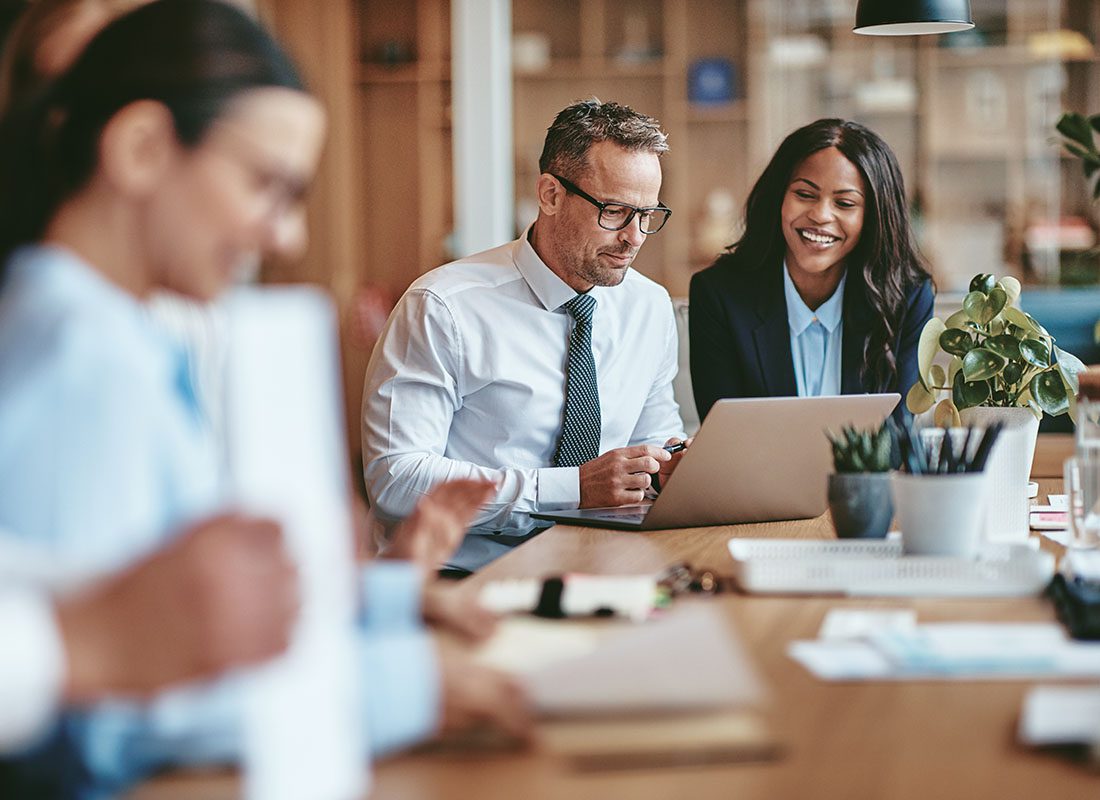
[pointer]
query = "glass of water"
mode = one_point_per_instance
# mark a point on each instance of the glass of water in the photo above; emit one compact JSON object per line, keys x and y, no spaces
{"x":1082,"y":486}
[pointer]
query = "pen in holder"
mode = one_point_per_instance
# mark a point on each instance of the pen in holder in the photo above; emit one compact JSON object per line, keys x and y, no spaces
{"x":940,"y":497}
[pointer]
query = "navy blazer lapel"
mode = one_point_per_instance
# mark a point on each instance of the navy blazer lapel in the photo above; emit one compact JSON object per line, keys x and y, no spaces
{"x":857,"y":324}
{"x":772,"y":336}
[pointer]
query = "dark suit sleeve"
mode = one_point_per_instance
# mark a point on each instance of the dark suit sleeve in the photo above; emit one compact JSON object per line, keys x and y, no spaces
{"x":714,"y":364}
{"x":918,"y":311}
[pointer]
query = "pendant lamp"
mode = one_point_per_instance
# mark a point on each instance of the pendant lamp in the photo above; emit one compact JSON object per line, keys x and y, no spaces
{"x":910,"y":17}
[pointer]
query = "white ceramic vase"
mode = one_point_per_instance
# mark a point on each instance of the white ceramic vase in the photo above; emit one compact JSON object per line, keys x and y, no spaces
{"x":1009,"y":469}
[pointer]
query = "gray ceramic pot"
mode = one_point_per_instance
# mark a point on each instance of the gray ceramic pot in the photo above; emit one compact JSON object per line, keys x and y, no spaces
{"x":861,"y":504}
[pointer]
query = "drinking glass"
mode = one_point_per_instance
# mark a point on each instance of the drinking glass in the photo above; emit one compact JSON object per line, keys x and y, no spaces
{"x":1082,"y":486}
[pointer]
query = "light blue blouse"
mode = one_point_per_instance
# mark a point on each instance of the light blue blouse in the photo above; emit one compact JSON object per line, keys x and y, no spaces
{"x":104,"y":455}
{"x":816,"y":339}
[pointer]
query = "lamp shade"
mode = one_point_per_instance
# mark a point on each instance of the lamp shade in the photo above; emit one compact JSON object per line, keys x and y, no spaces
{"x":909,"y":17}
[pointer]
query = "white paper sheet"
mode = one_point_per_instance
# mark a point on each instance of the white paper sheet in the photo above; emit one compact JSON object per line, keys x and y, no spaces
{"x":1057,"y":715}
{"x":686,"y":659}
{"x":303,"y":735}
{"x":962,"y":651}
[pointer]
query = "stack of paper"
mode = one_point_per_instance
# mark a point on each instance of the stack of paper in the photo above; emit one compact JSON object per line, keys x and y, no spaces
{"x":964,"y":651}
{"x":675,"y":689}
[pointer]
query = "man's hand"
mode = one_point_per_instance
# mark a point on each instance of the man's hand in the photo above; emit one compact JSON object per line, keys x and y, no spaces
{"x":431,"y":534}
{"x":667,"y":467}
{"x":222,"y":595}
{"x":452,"y":608}
{"x":620,"y":477}
{"x":475,"y":695}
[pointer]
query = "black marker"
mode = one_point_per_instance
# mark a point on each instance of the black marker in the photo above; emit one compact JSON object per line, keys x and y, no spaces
{"x":655,"y":479}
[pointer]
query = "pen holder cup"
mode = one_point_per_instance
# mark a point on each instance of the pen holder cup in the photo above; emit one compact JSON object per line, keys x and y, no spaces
{"x":1007,"y":470}
{"x":940,"y":515}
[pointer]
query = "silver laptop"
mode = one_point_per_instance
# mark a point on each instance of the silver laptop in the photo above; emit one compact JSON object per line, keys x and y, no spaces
{"x":754,"y":460}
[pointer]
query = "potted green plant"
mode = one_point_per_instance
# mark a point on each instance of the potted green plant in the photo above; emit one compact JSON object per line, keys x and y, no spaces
{"x":1001,"y":365}
{"x":860,"y":501}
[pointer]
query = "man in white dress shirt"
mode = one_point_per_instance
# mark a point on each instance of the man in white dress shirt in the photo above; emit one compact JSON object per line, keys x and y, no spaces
{"x":545,"y":364}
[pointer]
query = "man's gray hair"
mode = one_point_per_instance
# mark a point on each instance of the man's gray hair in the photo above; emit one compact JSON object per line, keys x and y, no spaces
{"x":576,"y":128}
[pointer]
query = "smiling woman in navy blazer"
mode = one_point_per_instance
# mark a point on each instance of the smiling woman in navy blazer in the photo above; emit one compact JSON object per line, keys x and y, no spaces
{"x":825,"y":292}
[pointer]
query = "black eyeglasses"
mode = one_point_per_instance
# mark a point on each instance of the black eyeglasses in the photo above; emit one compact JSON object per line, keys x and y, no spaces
{"x":616,"y":216}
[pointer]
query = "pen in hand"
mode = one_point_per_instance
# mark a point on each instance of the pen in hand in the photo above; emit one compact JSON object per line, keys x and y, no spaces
{"x":655,"y":477}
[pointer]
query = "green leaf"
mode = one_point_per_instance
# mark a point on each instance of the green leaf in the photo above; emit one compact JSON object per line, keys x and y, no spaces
{"x":1094,"y":121}
{"x":1035,"y":323}
{"x":1013,"y":372}
{"x":1015,"y":331}
{"x":1071,"y":396}
{"x":953,"y":369}
{"x":1036,"y":352}
{"x":956,"y":342}
{"x":1011,"y":287}
{"x":965,"y":394}
{"x":946,"y":416}
{"x":926,"y":348}
{"x":974,"y":306}
{"x":1049,"y":392}
{"x":958,"y":319}
{"x":1004,"y":345}
{"x":1076,"y":127}
{"x":1022,"y":320}
{"x":1080,"y":151}
{"x":981,"y":364}
{"x":982,"y":282}
{"x":919,"y":399}
{"x":995,"y":302}
{"x":1068,"y":362}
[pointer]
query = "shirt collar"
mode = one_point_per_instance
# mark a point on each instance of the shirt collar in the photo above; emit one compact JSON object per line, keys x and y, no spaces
{"x":551,"y":290}
{"x":799,"y":315}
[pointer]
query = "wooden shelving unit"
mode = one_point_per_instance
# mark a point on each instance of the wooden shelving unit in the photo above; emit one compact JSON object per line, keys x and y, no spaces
{"x":381,"y":211}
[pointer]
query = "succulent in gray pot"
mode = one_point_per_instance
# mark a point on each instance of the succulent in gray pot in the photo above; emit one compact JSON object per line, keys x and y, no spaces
{"x":860,"y":499}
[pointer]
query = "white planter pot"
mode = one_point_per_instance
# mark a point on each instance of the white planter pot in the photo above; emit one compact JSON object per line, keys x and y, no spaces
{"x":1009,"y":468}
{"x":940,"y":515}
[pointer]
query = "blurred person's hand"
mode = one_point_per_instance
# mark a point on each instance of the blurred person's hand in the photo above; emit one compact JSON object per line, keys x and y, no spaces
{"x":475,"y":695}
{"x":432,"y":533}
{"x":224,"y":594}
{"x":452,"y":608}
{"x":1090,"y":383}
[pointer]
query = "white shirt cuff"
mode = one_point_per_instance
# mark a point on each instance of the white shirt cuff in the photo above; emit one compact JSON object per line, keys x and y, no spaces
{"x":558,"y":488}
{"x":32,"y":668}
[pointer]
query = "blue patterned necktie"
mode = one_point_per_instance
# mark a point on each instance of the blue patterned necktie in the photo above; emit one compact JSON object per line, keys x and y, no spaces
{"x":580,"y":428}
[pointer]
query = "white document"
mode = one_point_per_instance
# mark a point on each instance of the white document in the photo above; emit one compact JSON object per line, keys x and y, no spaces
{"x":962,"y":651}
{"x":1058,"y":715}
{"x":303,"y":735}
{"x":856,"y":623}
{"x":685,"y":660}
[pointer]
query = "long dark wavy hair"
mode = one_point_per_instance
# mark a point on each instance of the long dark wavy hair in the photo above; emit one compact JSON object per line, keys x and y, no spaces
{"x":885,"y":264}
{"x":194,"y":56}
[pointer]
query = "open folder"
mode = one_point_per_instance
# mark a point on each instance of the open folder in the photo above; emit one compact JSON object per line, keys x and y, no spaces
{"x":676,"y":689}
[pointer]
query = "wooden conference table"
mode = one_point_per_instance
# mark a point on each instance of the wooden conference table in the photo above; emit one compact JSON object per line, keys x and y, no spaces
{"x":879,"y":741}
